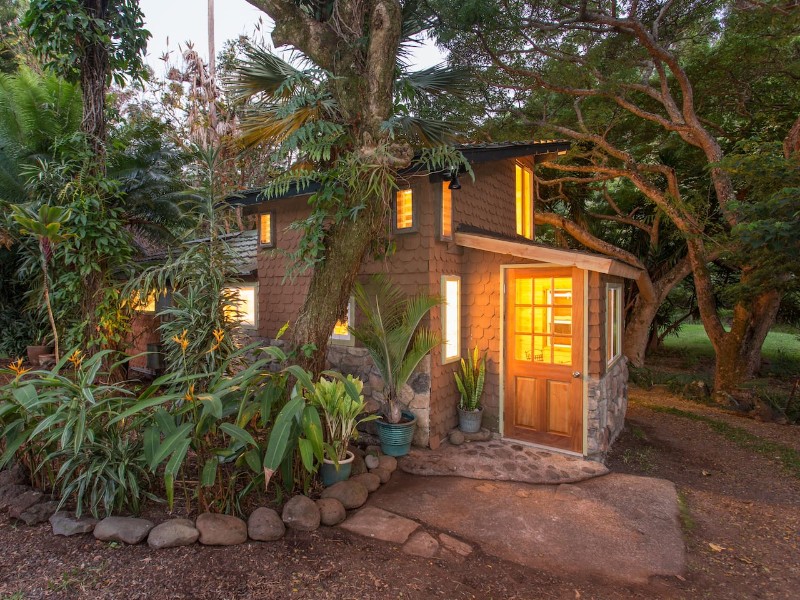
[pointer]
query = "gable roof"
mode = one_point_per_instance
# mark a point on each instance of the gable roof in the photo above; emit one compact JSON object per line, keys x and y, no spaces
{"x":243,"y":246}
{"x":474,"y":153}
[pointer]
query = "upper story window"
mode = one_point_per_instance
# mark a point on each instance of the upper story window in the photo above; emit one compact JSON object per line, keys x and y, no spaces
{"x":446,"y":213}
{"x":404,"y":210}
{"x":341,"y":331}
{"x":266,"y":229}
{"x":613,"y":322}
{"x":524,"y":201}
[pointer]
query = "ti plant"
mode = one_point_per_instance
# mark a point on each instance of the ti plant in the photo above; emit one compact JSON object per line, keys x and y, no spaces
{"x":45,"y":226}
{"x":470,"y":382}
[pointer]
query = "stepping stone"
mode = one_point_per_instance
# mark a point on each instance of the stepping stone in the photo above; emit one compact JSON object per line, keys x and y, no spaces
{"x":369,"y":480}
{"x":380,"y":524}
{"x":65,"y":524}
{"x":38,"y":513}
{"x":128,"y":530}
{"x":173,"y":533}
{"x":331,"y":511}
{"x":351,"y":494}
{"x":265,"y":525}
{"x":454,"y":545}
{"x":421,"y":544}
{"x":221,"y":530}
{"x":301,"y":513}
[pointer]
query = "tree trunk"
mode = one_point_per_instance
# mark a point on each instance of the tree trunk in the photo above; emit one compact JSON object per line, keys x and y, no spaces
{"x":48,"y":304}
{"x":637,"y":329}
{"x":94,"y":72}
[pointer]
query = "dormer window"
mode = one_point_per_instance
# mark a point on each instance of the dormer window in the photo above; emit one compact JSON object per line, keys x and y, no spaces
{"x":524,"y":201}
{"x":404,"y":210}
{"x":266,"y":230}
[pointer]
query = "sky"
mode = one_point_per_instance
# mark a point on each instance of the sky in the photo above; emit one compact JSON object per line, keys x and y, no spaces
{"x":172,"y":22}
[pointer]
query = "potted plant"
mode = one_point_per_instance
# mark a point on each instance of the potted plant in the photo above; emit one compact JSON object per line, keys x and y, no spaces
{"x":470,"y":386}
{"x":390,"y":332}
{"x":341,"y":403}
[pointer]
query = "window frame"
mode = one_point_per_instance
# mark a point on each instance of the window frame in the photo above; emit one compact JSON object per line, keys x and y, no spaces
{"x":522,"y":168}
{"x":440,"y":214}
{"x":447,"y":359}
{"x":613,"y":324}
{"x":414,"y":224}
{"x":271,"y":214}
{"x":348,"y":339}
{"x":248,"y":284}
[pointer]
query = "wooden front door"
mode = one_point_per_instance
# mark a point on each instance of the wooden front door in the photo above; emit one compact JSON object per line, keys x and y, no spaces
{"x":543,"y":400}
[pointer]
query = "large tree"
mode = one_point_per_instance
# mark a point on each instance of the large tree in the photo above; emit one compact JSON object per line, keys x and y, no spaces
{"x":694,"y":77}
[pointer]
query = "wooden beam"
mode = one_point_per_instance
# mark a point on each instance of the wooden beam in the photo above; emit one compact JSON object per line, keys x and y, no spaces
{"x":545,"y":254}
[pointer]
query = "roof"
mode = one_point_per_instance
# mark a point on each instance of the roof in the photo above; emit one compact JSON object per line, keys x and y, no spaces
{"x":474,"y":153}
{"x":242,"y":244}
{"x":480,"y":239}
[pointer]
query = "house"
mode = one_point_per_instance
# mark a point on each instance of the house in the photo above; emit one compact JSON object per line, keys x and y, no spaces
{"x":549,"y":319}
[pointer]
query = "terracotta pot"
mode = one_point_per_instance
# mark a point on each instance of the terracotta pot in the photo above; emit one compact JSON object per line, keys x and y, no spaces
{"x":34,"y":352}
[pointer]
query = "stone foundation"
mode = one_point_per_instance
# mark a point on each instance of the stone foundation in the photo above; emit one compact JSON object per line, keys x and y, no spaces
{"x":415,"y":396}
{"x":608,"y":401}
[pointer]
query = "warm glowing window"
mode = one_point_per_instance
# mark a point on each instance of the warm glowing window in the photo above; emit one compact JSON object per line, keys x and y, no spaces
{"x":613,"y":322}
{"x":246,"y":303}
{"x":341,"y":331}
{"x":146,"y":306}
{"x":451,"y":318}
{"x":524,"y":201}
{"x":404,"y":210}
{"x":266,"y":234}
{"x":446,"y":231}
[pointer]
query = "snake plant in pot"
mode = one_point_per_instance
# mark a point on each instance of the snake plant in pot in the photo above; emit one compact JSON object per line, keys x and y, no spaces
{"x":390,"y":331}
{"x":470,"y":386}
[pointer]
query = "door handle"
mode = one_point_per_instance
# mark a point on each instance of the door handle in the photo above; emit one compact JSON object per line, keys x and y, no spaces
{"x":576,"y":374}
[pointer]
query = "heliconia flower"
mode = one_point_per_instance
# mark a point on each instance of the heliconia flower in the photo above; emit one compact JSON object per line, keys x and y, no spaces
{"x":17,"y":367}
{"x":76,"y":359}
{"x":189,"y":397}
{"x":182,"y":340}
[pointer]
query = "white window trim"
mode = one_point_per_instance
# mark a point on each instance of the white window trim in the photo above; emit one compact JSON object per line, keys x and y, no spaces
{"x":346,"y":339}
{"x":611,"y":320}
{"x":457,"y":356}
{"x":254,"y":286}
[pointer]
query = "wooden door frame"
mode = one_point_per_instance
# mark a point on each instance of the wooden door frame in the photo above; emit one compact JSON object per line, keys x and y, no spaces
{"x":584,"y":371}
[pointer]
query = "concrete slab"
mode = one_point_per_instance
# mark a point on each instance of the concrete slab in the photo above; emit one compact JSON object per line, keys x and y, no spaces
{"x":380,"y":524}
{"x":501,"y":460}
{"x":619,"y":527}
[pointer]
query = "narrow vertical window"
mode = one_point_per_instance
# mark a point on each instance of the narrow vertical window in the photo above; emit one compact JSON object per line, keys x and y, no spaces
{"x":613,"y":322}
{"x":524,"y":189}
{"x":266,"y":230}
{"x":451,"y":318}
{"x":404,"y":210}
{"x":446,"y":226}
{"x":341,"y":331}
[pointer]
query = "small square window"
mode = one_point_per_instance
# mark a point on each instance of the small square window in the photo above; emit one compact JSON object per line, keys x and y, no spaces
{"x":146,"y":306}
{"x":266,"y":230}
{"x":341,"y":331}
{"x":613,"y":322}
{"x":451,"y":318}
{"x":524,"y":201}
{"x":246,"y":309}
{"x":404,"y":210}
{"x":446,"y":212}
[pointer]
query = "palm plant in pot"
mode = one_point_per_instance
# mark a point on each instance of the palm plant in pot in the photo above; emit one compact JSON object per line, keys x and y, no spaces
{"x":470,"y":386}
{"x":341,"y":403}
{"x":390,"y":332}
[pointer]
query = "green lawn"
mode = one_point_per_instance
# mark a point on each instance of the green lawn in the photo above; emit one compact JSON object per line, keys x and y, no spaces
{"x":781,"y":350}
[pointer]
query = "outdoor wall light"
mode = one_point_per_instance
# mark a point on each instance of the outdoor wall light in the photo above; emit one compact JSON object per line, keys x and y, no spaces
{"x":452,"y":177}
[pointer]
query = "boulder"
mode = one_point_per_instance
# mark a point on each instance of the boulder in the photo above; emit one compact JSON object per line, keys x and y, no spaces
{"x":66,"y":524}
{"x":382,"y":474}
{"x":9,"y":492}
{"x":369,"y":480}
{"x":387,"y":462}
{"x":265,"y":525}
{"x":128,"y":530}
{"x":221,"y":530}
{"x":331,"y":511}
{"x":372,"y":461}
{"x":173,"y":533}
{"x":456,"y":438}
{"x":38,"y":513}
{"x":20,"y":503}
{"x":301,"y":513}
{"x":358,"y":466}
{"x":351,"y":494}
{"x":15,"y":475}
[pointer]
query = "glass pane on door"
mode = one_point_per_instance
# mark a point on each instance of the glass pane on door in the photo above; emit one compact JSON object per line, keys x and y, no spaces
{"x":543,"y":320}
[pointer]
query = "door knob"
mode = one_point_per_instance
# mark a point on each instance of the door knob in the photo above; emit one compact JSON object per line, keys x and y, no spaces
{"x":576,"y":374}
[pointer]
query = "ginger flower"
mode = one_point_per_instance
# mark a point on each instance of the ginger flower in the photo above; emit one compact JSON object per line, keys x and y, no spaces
{"x":76,"y":358}
{"x":17,"y":368}
{"x":219,"y":335}
{"x":189,"y":397}
{"x":182,"y":340}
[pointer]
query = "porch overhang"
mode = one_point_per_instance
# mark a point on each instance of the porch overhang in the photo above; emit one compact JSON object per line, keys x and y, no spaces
{"x":546,"y":254}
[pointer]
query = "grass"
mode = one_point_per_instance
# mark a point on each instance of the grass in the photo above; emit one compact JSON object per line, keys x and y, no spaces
{"x":789,"y":458}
